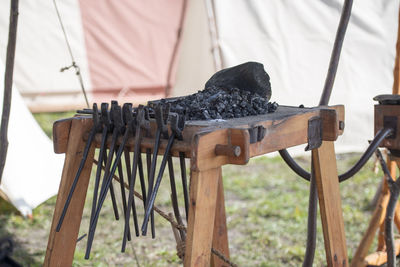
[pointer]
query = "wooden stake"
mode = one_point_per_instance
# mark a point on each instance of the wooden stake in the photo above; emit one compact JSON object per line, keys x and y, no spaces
{"x":8,"y":80}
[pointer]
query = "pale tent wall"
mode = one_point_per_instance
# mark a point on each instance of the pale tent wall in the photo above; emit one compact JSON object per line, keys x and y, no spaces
{"x":41,"y":52}
{"x":32,"y":172}
{"x":195,"y":64}
{"x":123,"y":49}
{"x":294,"y":39}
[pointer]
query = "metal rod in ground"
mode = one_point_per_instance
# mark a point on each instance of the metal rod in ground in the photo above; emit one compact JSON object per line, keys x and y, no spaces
{"x":150,"y":204}
{"x":76,"y":179}
{"x":107,"y":180}
{"x":312,"y":221}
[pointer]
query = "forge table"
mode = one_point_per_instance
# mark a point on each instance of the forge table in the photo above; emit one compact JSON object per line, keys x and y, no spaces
{"x":210,"y":145}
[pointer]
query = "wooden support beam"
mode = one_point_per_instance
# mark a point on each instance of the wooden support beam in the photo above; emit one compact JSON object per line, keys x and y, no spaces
{"x":61,"y":245}
{"x":220,"y":236}
{"x":327,"y":181}
{"x":203,"y":198}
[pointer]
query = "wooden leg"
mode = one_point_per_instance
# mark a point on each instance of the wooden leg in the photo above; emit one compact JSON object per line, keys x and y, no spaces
{"x":61,"y":245}
{"x":376,"y":220}
{"x":220,"y":236}
{"x":203,"y":198}
{"x":327,"y":181}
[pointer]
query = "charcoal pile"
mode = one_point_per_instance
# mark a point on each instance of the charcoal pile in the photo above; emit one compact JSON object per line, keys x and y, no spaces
{"x":235,"y":92}
{"x":222,"y":103}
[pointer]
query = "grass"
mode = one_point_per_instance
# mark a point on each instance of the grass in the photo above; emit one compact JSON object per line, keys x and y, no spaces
{"x":266,"y":206}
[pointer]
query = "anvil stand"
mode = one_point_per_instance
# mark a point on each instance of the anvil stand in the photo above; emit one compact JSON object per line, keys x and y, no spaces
{"x":255,"y":135}
{"x":385,"y":116}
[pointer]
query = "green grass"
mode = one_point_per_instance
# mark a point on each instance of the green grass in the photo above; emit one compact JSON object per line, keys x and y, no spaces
{"x":266,"y":206}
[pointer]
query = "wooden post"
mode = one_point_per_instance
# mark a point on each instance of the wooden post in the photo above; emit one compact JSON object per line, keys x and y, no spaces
{"x":61,"y":245}
{"x":327,"y":181}
{"x":203,"y":199}
{"x":220,"y":236}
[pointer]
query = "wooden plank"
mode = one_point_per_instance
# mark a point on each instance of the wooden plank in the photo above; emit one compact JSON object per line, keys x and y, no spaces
{"x":61,"y":129}
{"x":61,"y":245}
{"x":332,"y":123}
{"x":380,"y":257}
{"x":330,"y":204}
{"x":203,"y":198}
{"x":220,"y":237}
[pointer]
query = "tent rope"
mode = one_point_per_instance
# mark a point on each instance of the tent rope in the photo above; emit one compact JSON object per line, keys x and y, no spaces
{"x":181,"y":245}
{"x":73,"y":64}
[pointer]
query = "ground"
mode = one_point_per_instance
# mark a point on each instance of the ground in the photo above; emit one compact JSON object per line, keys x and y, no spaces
{"x":266,"y":206}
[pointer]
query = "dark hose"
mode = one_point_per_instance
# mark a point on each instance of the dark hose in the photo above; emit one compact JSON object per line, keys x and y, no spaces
{"x":382,"y":134}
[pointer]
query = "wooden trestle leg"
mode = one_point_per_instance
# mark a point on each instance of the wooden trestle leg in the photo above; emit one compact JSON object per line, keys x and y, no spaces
{"x":327,"y":181}
{"x":220,"y":235}
{"x":204,"y":190}
{"x":61,"y":245}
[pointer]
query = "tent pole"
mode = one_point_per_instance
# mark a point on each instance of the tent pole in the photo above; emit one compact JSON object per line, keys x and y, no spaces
{"x":396,"y":71}
{"x":212,"y":26}
{"x":8,"y":80}
{"x":172,"y":61}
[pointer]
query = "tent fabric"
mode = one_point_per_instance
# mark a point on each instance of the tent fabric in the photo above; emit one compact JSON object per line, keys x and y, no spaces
{"x":32,"y":171}
{"x":41,"y":52}
{"x":294,"y":39}
{"x":123,"y":49}
{"x":129,"y":44}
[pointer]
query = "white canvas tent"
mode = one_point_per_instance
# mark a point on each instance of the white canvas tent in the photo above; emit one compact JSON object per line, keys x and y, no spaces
{"x":293,"y":39}
{"x":32,"y":171}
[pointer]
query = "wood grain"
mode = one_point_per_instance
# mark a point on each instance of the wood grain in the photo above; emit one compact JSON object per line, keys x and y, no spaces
{"x":61,"y":245}
{"x":61,"y":130}
{"x":220,"y":235}
{"x":326,"y":178}
{"x":203,"y":198}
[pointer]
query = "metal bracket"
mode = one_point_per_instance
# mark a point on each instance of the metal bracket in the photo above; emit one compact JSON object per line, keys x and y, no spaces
{"x":257,"y":133}
{"x":390,"y":122}
{"x":314,"y":133}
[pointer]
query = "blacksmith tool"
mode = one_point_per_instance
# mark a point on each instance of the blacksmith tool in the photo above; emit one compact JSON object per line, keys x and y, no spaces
{"x":118,"y":128}
{"x":106,"y":124}
{"x":176,"y":129}
{"x":96,"y":128}
{"x":161,"y":127}
{"x":141,"y":123}
{"x":182,"y":163}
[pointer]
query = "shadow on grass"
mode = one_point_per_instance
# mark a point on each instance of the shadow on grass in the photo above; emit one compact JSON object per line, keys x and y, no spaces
{"x":20,"y":253}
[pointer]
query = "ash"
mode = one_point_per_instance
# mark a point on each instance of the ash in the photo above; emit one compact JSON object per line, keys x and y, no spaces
{"x":222,"y":103}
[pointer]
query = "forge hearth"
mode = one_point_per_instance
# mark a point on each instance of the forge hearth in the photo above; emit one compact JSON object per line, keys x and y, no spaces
{"x":235,"y":92}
